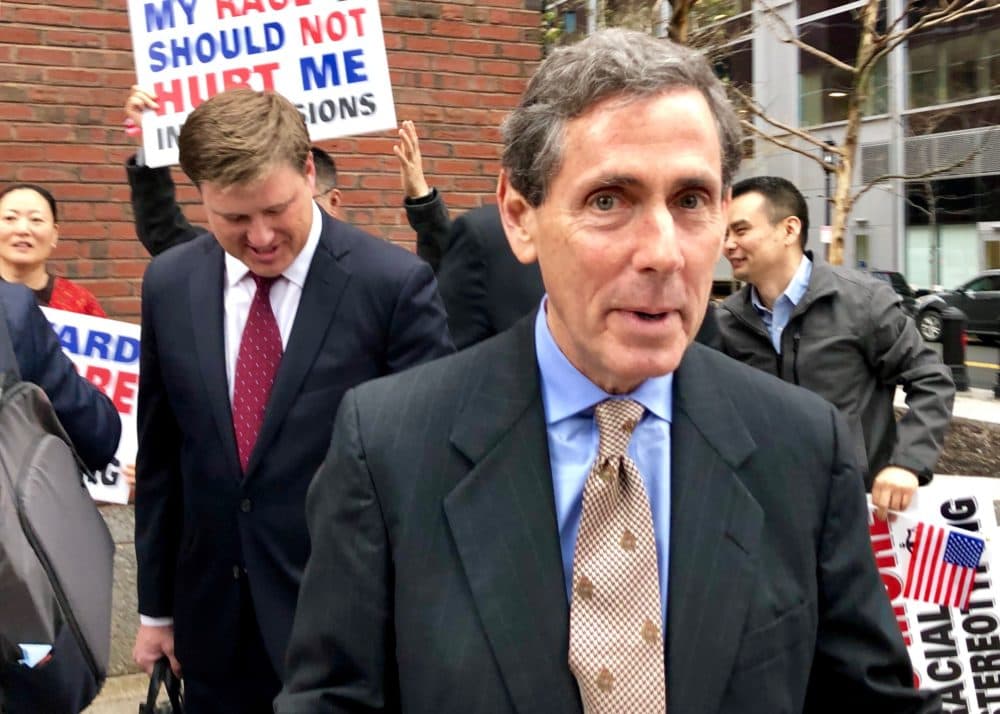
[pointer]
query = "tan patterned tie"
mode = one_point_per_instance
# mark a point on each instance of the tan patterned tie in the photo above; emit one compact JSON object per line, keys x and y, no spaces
{"x":616,"y":640}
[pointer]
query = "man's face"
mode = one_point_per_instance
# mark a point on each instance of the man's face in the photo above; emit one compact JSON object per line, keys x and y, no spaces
{"x":628,"y":235}
{"x":263,"y":223}
{"x":754,"y":246}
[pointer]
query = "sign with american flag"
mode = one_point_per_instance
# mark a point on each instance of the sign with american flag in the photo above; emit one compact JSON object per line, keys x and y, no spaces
{"x":942,"y":565}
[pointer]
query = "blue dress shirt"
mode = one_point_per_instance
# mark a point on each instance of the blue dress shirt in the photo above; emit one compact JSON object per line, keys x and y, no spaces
{"x":776,"y":319}
{"x":569,"y":399}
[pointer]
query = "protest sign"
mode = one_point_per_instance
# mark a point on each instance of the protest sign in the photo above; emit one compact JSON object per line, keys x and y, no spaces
{"x":106,"y":352}
{"x":953,"y":651}
{"x":328,"y":58}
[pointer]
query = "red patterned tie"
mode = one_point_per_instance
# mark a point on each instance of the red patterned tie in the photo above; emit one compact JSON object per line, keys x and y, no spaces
{"x":256,"y":366}
{"x":616,"y":633}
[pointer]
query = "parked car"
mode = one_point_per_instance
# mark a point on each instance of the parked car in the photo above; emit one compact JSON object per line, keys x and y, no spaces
{"x":902,"y":288}
{"x":978,"y":298}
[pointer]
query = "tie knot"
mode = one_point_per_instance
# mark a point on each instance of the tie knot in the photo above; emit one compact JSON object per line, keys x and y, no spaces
{"x":616,"y":420}
{"x":263,"y":284}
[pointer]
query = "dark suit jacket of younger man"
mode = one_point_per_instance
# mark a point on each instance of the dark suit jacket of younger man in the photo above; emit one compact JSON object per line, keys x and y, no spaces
{"x":88,"y":416}
{"x":368,"y":308}
{"x":436,"y":583}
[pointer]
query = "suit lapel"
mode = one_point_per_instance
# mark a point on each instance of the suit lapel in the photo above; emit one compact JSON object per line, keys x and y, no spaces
{"x":206,"y":281}
{"x":502,"y":516}
{"x":321,"y":293}
{"x":714,"y":534}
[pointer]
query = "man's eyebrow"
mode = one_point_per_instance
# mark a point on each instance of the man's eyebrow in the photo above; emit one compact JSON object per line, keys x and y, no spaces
{"x":618,"y":180}
{"x":739,"y":223}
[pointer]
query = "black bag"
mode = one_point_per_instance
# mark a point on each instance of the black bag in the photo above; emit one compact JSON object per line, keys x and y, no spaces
{"x":56,"y":555}
{"x":163,"y":676}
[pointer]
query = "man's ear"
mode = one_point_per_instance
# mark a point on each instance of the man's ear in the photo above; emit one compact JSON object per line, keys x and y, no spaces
{"x":309,"y":171}
{"x":519,"y":222}
{"x":335,"y":198}
{"x":793,"y":227}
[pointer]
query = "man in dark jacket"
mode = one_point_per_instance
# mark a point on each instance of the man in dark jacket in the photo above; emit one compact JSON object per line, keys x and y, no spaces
{"x":485,"y":289}
{"x":837,"y":332}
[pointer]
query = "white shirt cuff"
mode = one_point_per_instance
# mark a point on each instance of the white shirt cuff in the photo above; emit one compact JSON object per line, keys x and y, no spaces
{"x":155,"y":621}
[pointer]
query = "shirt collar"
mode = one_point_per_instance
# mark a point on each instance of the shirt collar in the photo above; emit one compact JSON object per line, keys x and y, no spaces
{"x":567,"y":392}
{"x":295,"y":273}
{"x":795,"y":291}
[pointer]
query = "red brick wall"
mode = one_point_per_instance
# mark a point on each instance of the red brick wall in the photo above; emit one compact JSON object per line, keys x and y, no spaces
{"x":65,"y":70}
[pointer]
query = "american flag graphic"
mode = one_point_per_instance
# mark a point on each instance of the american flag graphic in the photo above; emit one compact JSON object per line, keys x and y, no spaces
{"x":942,"y":565}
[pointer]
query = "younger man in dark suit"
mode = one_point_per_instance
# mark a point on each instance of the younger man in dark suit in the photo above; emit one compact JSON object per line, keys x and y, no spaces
{"x":589,"y":512}
{"x":251,"y":335}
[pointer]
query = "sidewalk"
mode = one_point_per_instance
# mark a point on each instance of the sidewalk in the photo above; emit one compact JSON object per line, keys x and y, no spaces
{"x":121,"y":695}
{"x":975,"y":404}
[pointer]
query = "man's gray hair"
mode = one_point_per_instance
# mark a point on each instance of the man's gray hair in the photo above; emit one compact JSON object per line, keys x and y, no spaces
{"x":609,"y":63}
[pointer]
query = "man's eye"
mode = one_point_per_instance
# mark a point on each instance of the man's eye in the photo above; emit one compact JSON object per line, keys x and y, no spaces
{"x":690,"y":200}
{"x":604,"y":202}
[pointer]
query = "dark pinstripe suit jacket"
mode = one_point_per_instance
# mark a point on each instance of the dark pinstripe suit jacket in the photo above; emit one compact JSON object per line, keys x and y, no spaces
{"x":435,"y":583}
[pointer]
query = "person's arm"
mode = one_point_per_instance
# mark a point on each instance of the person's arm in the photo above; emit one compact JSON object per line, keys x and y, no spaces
{"x":418,"y":327}
{"x":159,"y":222}
{"x":158,"y":498}
{"x":341,"y":653}
{"x":860,"y":656}
{"x":428,"y":217}
{"x":462,"y":280}
{"x":86,"y":413}
{"x":425,"y":209}
{"x":900,"y":356}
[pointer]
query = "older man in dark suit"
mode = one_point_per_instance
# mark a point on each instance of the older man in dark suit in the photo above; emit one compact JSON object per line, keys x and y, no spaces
{"x":250,"y":337}
{"x":589,"y":512}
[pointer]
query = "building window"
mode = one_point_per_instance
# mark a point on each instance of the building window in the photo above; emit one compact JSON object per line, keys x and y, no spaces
{"x":823,"y":88}
{"x":861,"y":250}
{"x":954,"y":62}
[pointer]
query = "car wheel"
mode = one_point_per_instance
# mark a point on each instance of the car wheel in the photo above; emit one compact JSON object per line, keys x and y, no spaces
{"x":929,"y":325}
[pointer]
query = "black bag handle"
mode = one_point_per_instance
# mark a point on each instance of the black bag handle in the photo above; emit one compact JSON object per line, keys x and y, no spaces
{"x":163,"y":676}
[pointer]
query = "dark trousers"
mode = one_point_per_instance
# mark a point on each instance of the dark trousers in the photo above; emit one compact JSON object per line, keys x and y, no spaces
{"x":252,"y":684}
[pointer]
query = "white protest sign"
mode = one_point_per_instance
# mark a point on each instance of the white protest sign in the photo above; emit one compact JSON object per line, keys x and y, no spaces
{"x":106,"y":352}
{"x":327,"y":57}
{"x":955,"y":652}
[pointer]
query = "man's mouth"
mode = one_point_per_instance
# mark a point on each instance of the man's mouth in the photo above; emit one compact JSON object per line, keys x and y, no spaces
{"x":649,"y":316}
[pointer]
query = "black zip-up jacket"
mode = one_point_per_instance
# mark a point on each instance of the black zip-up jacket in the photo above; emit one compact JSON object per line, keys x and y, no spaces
{"x":849,"y":341}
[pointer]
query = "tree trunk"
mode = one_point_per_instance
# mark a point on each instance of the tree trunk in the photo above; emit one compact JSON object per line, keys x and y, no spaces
{"x":680,"y":20}
{"x":843,"y":201}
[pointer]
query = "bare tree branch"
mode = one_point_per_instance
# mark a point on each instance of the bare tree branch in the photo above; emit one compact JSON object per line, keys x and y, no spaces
{"x":759,"y":111}
{"x":936,"y":171}
{"x":955,"y":10}
{"x":782,"y":143}
{"x":791,"y":38}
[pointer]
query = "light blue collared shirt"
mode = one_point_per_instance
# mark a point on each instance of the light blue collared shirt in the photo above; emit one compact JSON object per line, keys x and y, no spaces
{"x":776,"y":319}
{"x":569,"y":399}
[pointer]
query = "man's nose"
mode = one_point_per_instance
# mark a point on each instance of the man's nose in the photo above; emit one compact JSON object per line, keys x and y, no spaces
{"x":659,"y":248}
{"x":260,"y":233}
{"x":729,"y":242}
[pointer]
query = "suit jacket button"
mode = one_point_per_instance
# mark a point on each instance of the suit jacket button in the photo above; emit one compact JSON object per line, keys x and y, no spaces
{"x":236,"y":572}
{"x":245,"y":505}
